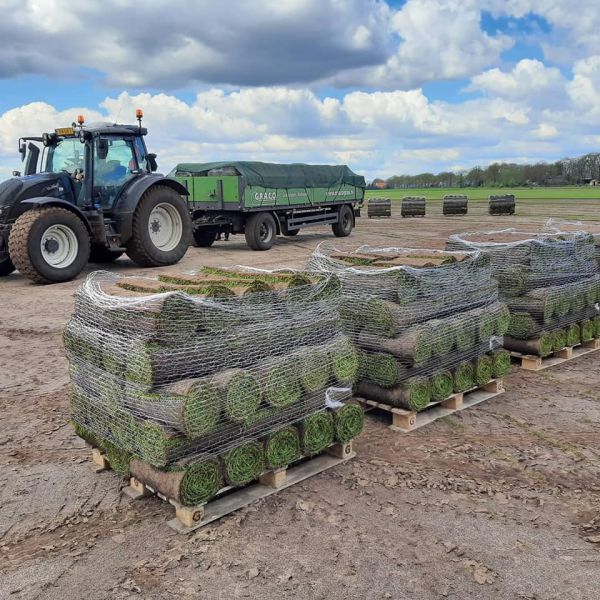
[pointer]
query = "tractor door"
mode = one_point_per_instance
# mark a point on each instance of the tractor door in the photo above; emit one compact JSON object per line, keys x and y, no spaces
{"x":114,"y":164}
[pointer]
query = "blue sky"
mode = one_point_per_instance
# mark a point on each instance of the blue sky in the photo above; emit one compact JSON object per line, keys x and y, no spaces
{"x":387,"y":87}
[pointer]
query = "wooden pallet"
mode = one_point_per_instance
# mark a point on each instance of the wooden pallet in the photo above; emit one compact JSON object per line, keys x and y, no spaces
{"x":229,"y":499}
{"x":407,"y":420}
{"x":531,"y":362}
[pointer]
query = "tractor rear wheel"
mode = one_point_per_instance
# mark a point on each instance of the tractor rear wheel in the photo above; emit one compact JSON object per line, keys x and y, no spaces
{"x":260,"y":231}
{"x":204,"y":237}
{"x":49,"y":245}
{"x":101,"y":254}
{"x":343,"y":227}
{"x":161,"y":230}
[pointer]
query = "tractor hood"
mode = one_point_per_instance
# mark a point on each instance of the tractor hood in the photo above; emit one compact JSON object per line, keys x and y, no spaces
{"x":14,"y":191}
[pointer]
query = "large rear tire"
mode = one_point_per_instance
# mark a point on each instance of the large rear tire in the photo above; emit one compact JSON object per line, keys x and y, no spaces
{"x":343,"y":228}
{"x":102,"y":254}
{"x":204,"y":237}
{"x":161,"y":230}
{"x":260,"y":231}
{"x":49,"y":245}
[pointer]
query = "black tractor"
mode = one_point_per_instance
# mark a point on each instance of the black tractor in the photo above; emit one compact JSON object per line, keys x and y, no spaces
{"x":90,"y":193}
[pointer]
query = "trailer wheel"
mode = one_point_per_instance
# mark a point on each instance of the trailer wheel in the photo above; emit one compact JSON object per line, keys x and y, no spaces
{"x":260,"y":231}
{"x":343,"y":227}
{"x":49,"y":245}
{"x":161,"y":230}
{"x":102,"y":254}
{"x":6,"y":267}
{"x":288,"y":232}
{"x":204,"y":237}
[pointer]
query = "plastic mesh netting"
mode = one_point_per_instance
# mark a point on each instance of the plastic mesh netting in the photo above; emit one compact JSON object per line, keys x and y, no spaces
{"x":426,"y":323}
{"x":187,"y":367}
{"x":549,"y":281}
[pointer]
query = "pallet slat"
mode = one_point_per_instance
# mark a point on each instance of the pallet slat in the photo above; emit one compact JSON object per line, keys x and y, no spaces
{"x":408,"y":420}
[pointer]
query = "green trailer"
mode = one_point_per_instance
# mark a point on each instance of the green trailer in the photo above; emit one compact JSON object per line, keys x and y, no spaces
{"x":263,"y":200}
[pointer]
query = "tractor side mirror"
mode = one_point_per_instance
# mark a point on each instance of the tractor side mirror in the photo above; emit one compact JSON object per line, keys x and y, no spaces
{"x":102,"y":148}
{"x":22,"y":150}
{"x":153,"y":163}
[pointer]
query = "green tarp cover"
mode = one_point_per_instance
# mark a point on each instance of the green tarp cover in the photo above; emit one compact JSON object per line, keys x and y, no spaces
{"x":272,"y":175}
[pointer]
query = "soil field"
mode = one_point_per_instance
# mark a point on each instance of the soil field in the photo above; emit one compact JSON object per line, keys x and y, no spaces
{"x":500,"y":501}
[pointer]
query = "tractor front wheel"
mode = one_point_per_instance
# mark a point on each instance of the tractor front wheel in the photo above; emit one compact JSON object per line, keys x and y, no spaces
{"x":162,"y":228}
{"x":49,"y":245}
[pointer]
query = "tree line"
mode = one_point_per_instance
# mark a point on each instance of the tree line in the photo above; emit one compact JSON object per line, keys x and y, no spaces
{"x":567,"y":171}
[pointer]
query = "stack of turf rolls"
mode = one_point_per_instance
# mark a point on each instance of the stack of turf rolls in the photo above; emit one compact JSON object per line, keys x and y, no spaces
{"x":559,"y":226}
{"x":218,"y":369}
{"x":548,"y":280}
{"x":426,"y":323}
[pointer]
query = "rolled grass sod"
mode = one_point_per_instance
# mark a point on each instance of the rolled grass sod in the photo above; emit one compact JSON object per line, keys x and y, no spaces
{"x":200,"y":482}
{"x":464,"y":377}
{"x":442,"y":336}
{"x":314,"y":367}
{"x":559,"y":340}
{"x":282,"y":448}
{"x":244,"y":463}
{"x":348,"y":422}
{"x":381,"y":368}
{"x":281,"y":383}
{"x":414,"y":345}
{"x":156,"y":444}
{"x":578,"y":301}
{"x":587,"y":330}
{"x":502,"y":320}
{"x":484,"y":370}
{"x":344,"y":360}
{"x":573,"y":334}
{"x":500,"y":363}
{"x":541,"y":345}
{"x":300,"y":290}
{"x":512,"y":280}
{"x":465,"y":334}
{"x":487,"y":326}
{"x":597,"y":327}
{"x":416,"y":393}
{"x":522,"y":326}
{"x":442,"y":386}
{"x":240,"y":392}
{"x":118,"y":459}
{"x":317,"y":432}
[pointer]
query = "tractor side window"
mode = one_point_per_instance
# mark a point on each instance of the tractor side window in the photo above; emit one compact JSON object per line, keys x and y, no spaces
{"x":141,"y":154}
{"x":114,"y":170}
{"x":67,"y":156}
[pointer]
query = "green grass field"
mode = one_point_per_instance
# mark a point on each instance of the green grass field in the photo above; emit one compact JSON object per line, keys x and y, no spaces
{"x":536,"y":193}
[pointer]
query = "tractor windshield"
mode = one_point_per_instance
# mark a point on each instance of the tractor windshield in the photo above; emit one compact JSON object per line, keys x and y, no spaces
{"x":66,"y":155}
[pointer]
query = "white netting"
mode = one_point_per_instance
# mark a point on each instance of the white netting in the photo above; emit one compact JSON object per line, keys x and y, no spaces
{"x":427,"y":323}
{"x":559,"y":226}
{"x":549,"y":280}
{"x":190,"y":366}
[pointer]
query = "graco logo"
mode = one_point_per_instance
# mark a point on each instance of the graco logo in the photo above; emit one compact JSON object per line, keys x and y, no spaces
{"x":265,"y":195}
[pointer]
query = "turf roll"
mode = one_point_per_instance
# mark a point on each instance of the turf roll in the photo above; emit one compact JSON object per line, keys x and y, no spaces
{"x":381,"y":368}
{"x":484,"y":370}
{"x":118,"y":459}
{"x":240,"y":392}
{"x":414,"y":345}
{"x":559,"y":339}
{"x":522,"y":326}
{"x":282,"y":448}
{"x":281,"y":385}
{"x":587,"y":330}
{"x":243,"y":463}
{"x":413,"y":394}
{"x":156,"y":443}
{"x":464,"y":377}
{"x":573,"y":334}
{"x":597,"y":327}
{"x":442,"y":386}
{"x":317,"y":432}
{"x":314,"y":367}
{"x":501,"y":363}
{"x":442,"y":336}
{"x":344,"y":360}
{"x":348,"y":422}
{"x":542,"y":345}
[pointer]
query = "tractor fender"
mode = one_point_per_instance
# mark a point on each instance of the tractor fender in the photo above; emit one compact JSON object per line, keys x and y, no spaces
{"x":130,"y":196}
{"x":47,"y":201}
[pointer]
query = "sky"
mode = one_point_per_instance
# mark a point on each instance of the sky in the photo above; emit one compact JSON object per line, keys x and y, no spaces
{"x":385,"y":87}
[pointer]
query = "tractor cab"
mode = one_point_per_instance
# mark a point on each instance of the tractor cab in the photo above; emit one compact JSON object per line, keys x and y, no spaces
{"x":101,"y":179}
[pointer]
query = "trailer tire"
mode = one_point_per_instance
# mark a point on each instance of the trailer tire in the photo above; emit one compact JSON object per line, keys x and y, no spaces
{"x":204,"y":237}
{"x":6,"y":267}
{"x":288,"y":232}
{"x":49,"y":245}
{"x":161,"y":228}
{"x":343,"y":227}
{"x":260,"y":231}
{"x":102,"y":254}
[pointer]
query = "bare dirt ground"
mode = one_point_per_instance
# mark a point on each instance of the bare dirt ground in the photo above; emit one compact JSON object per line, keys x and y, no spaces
{"x":501,"y":501}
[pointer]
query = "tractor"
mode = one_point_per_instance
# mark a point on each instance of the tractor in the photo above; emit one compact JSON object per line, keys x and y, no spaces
{"x":92,"y":195}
